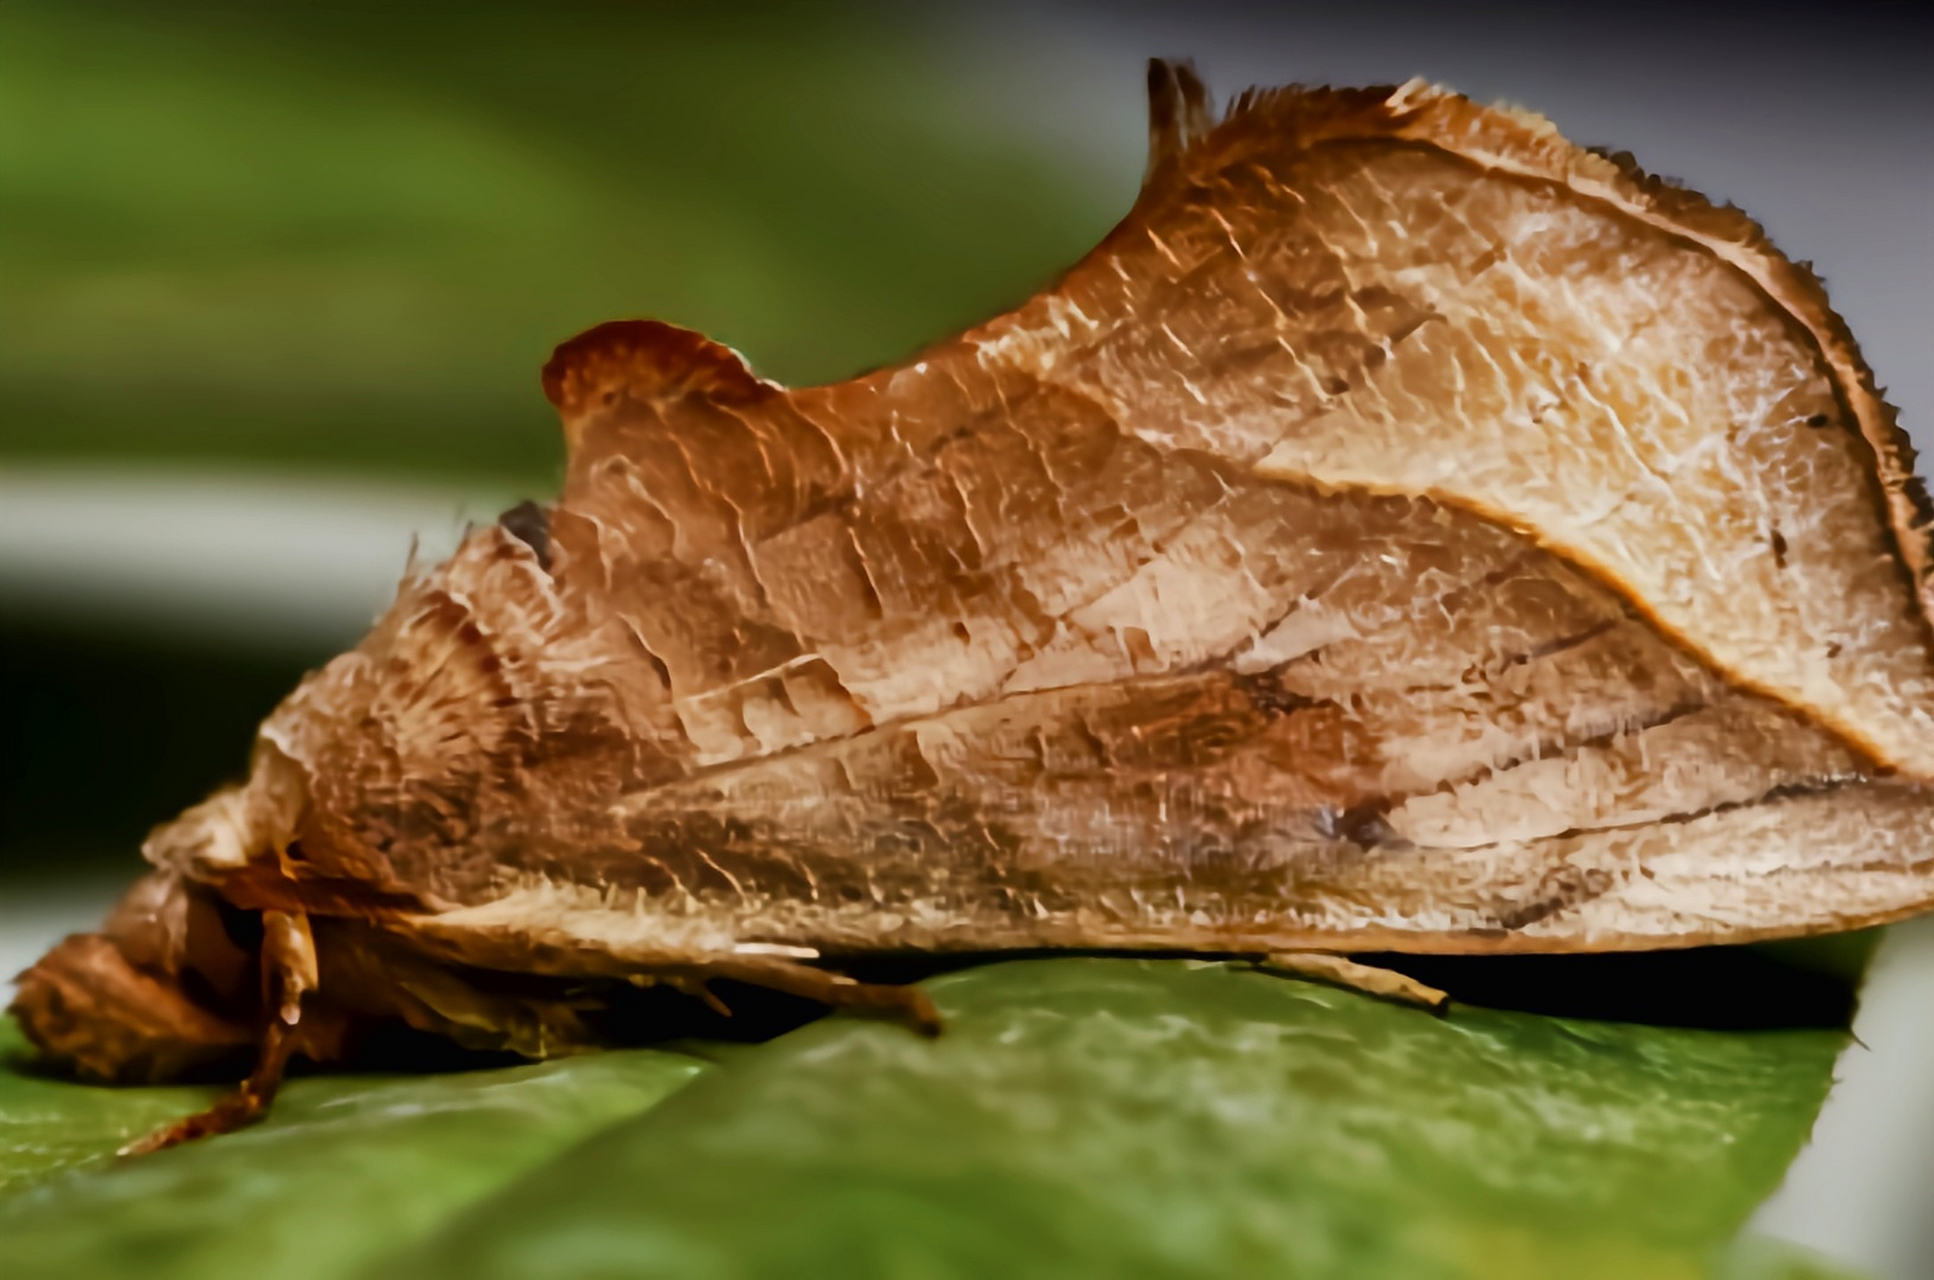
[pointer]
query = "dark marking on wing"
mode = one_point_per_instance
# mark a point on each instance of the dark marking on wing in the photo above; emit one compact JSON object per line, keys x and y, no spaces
{"x":530,"y":524}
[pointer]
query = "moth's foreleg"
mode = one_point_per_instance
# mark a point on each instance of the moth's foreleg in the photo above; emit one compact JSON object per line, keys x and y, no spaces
{"x":288,"y":973}
{"x":1341,"y":971}
{"x":907,"y":1005}
{"x":241,"y":1106}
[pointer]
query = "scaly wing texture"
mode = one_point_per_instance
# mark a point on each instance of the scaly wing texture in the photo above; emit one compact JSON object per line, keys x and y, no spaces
{"x":1406,"y":530}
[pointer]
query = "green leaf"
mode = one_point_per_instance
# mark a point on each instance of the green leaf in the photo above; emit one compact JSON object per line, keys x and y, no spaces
{"x":1079,"y":1117}
{"x":344,"y":1168}
{"x":1110,"y":1118}
{"x":47,"y":1126}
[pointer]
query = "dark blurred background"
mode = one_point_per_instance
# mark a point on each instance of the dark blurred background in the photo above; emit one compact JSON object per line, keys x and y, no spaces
{"x":276,"y":279}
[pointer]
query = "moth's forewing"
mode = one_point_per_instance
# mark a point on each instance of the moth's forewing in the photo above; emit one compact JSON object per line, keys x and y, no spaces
{"x":1425,"y":775}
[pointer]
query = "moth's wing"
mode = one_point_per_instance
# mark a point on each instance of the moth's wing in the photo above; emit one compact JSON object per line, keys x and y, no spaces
{"x":1354,"y":362}
{"x":1398,"y":291}
{"x":1386,"y":291}
{"x":1453,"y":742}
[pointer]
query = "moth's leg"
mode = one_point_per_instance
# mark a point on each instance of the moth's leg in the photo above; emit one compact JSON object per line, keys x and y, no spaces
{"x":907,"y":1005}
{"x":240,"y":1106}
{"x":288,"y":972}
{"x":1342,"y":971}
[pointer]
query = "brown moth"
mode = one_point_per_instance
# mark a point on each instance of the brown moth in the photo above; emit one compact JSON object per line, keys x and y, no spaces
{"x":1405,"y":532}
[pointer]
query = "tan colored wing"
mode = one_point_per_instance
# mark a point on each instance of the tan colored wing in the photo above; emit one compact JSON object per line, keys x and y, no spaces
{"x":1397,"y":291}
{"x":1405,"y":530}
{"x":1507,"y":762}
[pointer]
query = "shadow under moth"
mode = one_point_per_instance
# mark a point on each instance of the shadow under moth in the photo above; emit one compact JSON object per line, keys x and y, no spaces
{"x":1406,"y":531}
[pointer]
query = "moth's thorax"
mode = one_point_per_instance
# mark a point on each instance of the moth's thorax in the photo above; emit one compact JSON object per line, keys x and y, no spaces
{"x":253,"y":823}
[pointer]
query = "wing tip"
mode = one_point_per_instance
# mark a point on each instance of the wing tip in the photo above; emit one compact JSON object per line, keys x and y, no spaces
{"x":1183,"y":121}
{"x":1184,"y":135}
{"x":1180,"y":112}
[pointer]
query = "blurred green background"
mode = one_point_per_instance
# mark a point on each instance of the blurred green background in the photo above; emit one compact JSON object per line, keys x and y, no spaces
{"x":347,"y":235}
{"x":248,"y":242}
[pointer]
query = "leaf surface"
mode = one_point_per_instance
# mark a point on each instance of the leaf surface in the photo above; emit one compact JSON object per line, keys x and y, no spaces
{"x":346,"y":1168}
{"x":1080,"y":1117}
{"x":1091,"y":1117}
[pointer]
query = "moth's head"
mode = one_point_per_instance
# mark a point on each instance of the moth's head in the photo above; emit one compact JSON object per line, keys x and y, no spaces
{"x":166,"y":987}
{"x":421,"y":708}
{"x":170,"y":982}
